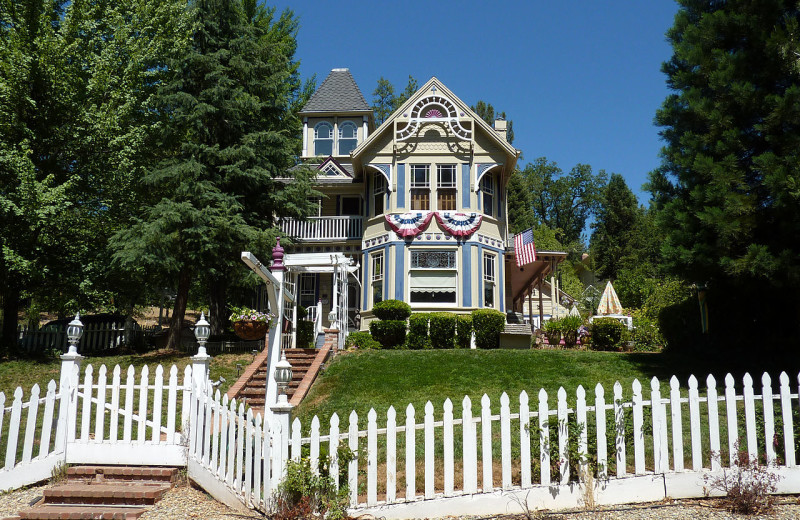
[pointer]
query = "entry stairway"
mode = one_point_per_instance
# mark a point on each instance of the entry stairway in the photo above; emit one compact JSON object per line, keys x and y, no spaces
{"x":108,"y":492}
{"x":306,"y":364}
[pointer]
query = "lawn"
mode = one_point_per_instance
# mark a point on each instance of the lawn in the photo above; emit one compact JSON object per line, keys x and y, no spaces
{"x":377,"y":379}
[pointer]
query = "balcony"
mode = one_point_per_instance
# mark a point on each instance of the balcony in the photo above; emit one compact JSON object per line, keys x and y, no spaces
{"x":317,"y":229}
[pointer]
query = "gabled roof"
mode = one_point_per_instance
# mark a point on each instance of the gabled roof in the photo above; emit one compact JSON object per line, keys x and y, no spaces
{"x":338,"y":93}
{"x":463,"y":107}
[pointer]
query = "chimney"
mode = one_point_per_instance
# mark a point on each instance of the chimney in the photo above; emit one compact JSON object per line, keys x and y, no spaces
{"x":500,"y":126}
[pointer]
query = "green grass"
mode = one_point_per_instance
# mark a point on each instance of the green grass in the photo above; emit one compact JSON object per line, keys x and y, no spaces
{"x":377,"y":379}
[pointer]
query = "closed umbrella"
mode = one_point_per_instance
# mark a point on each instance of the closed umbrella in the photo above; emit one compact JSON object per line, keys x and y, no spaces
{"x":609,"y":302}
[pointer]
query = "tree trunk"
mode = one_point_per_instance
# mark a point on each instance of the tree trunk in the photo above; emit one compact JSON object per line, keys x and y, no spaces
{"x":218,"y":312}
{"x":8,"y":337}
{"x":176,"y":323}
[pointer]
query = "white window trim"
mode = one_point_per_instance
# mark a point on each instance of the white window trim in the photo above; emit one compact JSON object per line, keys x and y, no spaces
{"x":317,"y":138}
{"x":439,"y":168}
{"x":489,"y":259}
{"x":427,"y":182}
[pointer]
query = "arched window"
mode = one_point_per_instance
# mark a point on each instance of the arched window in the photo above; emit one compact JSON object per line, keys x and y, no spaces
{"x":323,"y":139}
{"x":348,"y":137}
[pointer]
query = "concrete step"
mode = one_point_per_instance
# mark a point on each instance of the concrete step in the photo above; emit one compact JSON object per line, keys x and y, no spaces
{"x":80,"y":511}
{"x":119,"y":493}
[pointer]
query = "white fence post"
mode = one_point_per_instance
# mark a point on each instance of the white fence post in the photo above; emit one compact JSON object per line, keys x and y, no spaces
{"x":713,"y":421}
{"x":638,"y":433}
{"x":544,"y":439}
{"x":411,"y":451}
{"x":429,"y":451}
{"x":619,"y":426}
{"x":524,"y":439}
{"x":602,"y":440}
{"x":583,"y":426}
{"x":352,"y":468}
{"x":505,"y":441}
{"x":730,"y":419}
{"x":563,"y":435}
{"x":694,"y":422}
{"x":391,"y":455}
{"x":750,"y":417}
{"x":470,"y":447}
{"x":788,"y":426}
{"x":448,"y":448}
{"x":486,"y":443}
{"x":677,"y":424}
{"x":372,"y":457}
{"x":333,"y":449}
{"x":769,"y":418}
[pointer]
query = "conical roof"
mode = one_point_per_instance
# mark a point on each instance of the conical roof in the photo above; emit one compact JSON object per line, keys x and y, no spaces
{"x":609,"y":301}
{"x":338,"y":93}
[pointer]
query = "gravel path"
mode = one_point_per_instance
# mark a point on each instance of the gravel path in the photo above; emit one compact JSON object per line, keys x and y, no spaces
{"x":187,"y":503}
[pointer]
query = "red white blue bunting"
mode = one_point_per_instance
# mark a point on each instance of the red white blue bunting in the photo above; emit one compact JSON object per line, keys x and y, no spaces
{"x":409,"y":224}
{"x":459,"y":224}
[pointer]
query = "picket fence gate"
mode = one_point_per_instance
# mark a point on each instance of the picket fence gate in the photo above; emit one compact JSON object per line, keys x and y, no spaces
{"x":624,"y":446}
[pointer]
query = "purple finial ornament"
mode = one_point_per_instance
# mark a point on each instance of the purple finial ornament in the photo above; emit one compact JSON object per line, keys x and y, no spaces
{"x":277,"y":256}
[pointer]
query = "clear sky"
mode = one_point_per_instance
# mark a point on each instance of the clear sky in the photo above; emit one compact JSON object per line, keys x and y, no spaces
{"x":581,"y":79}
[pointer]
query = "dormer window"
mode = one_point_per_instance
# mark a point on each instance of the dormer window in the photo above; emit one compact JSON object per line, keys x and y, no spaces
{"x":487,"y":189}
{"x":323,"y":139}
{"x":348,"y":137}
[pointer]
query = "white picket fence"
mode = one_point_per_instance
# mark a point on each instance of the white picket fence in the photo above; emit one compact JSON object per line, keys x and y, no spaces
{"x":622,"y":446}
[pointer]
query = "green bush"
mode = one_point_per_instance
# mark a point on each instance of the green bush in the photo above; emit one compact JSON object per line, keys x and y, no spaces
{"x":488,"y":324}
{"x":646,"y":334}
{"x":305,"y":494}
{"x":463,"y":330}
{"x":389,"y":333}
{"x":392,"y":310}
{"x":443,"y":330}
{"x":418,"y":331}
{"x":305,"y":333}
{"x":608,"y":334}
{"x":361,"y":341}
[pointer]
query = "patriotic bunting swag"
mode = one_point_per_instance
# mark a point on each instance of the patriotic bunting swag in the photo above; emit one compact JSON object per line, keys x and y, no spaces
{"x":409,"y":224}
{"x":459,"y":224}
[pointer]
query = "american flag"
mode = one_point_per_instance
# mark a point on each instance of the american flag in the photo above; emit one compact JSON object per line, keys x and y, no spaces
{"x":524,"y":248}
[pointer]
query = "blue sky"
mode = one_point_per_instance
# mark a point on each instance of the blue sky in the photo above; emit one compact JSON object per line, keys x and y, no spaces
{"x":580,"y":79}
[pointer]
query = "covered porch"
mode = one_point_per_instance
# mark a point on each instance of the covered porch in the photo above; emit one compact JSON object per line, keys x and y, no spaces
{"x":522,"y":281}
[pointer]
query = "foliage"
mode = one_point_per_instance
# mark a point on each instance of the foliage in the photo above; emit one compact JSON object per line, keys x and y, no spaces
{"x":383,"y":101}
{"x":563,"y":201}
{"x":389,"y":333}
{"x":392,"y":310}
{"x":230,"y":133}
{"x":570,"y":323}
{"x":552,"y":326}
{"x":443,"y":329}
{"x":305,"y":333}
{"x":747,"y":485}
{"x":614,"y":227}
{"x":418,"y":337}
{"x":646,"y":334}
{"x":488,"y":324}
{"x":520,"y":204}
{"x":608,"y":334}
{"x":361,"y":341}
{"x":463,"y":330}
{"x":248,"y":314}
{"x":486,"y":112}
{"x":303,"y":494}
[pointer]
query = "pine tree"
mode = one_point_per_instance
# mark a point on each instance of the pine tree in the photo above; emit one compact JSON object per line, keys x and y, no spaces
{"x":615,"y":227}
{"x":383,"y":100}
{"x":229,"y":139}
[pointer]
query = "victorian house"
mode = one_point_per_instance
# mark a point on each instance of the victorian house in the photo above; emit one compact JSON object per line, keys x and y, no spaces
{"x":417,"y":206}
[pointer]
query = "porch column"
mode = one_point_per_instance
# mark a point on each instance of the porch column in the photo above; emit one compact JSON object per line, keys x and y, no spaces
{"x":294,"y":277}
{"x":541,"y":304}
{"x":335,"y":301}
{"x":275,"y":332}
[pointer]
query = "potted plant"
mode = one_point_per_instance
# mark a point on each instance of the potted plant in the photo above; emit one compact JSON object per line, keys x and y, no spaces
{"x":250,"y":324}
{"x":552,"y":330}
{"x":569,"y":328}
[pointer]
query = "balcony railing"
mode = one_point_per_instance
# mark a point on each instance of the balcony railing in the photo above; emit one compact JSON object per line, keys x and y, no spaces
{"x":324,"y":228}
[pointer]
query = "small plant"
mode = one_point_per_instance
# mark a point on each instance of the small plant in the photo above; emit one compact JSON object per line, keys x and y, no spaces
{"x":552,"y":330}
{"x":59,"y":473}
{"x":360,"y":341}
{"x":747,"y":485}
{"x":305,"y":494}
{"x":569,"y":329}
{"x":248,"y":314}
{"x":392,"y":310}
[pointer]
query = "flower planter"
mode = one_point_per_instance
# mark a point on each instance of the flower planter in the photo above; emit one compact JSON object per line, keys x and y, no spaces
{"x":570,"y":338}
{"x":553,"y":338}
{"x":251,"y":330}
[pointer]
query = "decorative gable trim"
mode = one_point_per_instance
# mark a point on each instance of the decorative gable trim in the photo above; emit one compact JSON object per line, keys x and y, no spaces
{"x":386,"y":170}
{"x":434,"y":108}
{"x":480,"y":171}
{"x":330,"y":167}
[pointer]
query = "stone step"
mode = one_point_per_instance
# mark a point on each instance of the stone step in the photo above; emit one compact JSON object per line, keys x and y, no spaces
{"x":122,"y":473}
{"x":106,"y":493}
{"x":80,"y":511}
{"x":517,"y":328}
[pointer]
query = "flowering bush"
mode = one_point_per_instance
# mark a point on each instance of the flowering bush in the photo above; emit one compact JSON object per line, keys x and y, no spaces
{"x":248,"y":314}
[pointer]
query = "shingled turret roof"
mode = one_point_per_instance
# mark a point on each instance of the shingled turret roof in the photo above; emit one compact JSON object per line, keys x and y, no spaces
{"x":338,"y":93}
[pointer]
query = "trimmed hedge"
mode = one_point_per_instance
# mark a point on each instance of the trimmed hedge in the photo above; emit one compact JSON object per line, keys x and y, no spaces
{"x":608,"y":334}
{"x":391,"y":310}
{"x":463,"y":330}
{"x":488,"y":324}
{"x":361,"y":341}
{"x":389,"y":333}
{"x":418,"y":331}
{"x":443,"y":330}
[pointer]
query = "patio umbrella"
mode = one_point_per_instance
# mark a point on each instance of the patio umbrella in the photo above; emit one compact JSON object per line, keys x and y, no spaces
{"x":609,"y":302}
{"x":574,"y":311}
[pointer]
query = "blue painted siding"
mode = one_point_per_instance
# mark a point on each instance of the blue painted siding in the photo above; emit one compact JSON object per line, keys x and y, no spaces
{"x":365,"y":281}
{"x":466,"y":260}
{"x":399,"y":272}
{"x":465,"y":191}
{"x":401,"y":186}
{"x":501,"y":270}
{"x":366,"y":196}
{"x":480,"y":276}
{"x":386,"y":272}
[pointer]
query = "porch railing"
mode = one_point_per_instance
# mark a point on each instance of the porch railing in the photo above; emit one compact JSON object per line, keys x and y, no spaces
{"x":324,"y":228}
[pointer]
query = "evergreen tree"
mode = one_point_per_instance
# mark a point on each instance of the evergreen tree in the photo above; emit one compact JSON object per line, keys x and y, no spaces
{"x":728,"y":185}
{"x":486,"y":112}
{"x":228,"y":141}
{"x":615,"y":227}
{"x":411,"y":87}
{"x":383,"y":101}
{"x":520,"y":204}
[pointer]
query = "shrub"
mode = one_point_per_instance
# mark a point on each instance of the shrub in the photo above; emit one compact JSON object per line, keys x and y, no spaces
{"x":443,"y":330}
{"x":552,"y":330}
{"x":389,"y":333}
{"x":747,"y":484}
{"x":569,"y":329}
{"x":488,"y":324}
{"x":646,"y":334}
{"x":392,"y":310}
{"x":463,"y":330}
{"x":361,"y":341}
{"x":418,"y":331}
{"x":608,"y":334}
{"x":304,"y":494}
